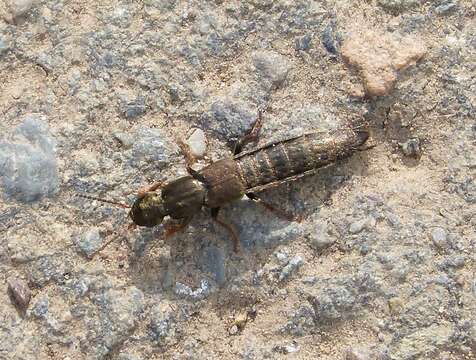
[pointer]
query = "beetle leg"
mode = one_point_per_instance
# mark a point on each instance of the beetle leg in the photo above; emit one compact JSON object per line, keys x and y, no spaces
{"x":228,"y":227}
{"x":251,"y":136}
{"x":114,"y":237}
{"x":173,"y":228}
{"x":189,"y":158}
{"x":189,"y":161}
{"x":148,"y":188}
{"x":280,"y":213}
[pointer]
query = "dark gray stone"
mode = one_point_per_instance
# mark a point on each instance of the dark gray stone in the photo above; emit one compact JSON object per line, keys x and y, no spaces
{"x":214,"y":262}
{"x":40,"y":307}
{"x":340,"y":298}
{"x":162,"y":323}
{"x":294,"y":264}
{"x":258,"y":228}
{"x":47,"y":268}
{"x":152,"y":147}
{"x":446,"y":7}
{"x":303,"y":43}
{"x":134,"y":108}
{"x":229,"y":118}
{"x":398,"y":6}
{"x":28,"y":166}
{"x":119,"y":312}
{"x":272,"y":67}
{"x":319,"y":238}
{"x":330,"y":39}
{"x":89,"y":242}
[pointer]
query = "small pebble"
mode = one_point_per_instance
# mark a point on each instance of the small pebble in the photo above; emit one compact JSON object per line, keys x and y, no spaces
{"x":379,"y":56}
{"x":18,"y":9}
{"x":287,"y":349}
{"x":123,"y":138}
{"x":282,"y":256}
{"x":411,"y":147}
{"x":271,"y":66}
{"x":439,"y":237}
{"x":197,"y":142}
{"x":395,"y":305}
{"x":445,"y":7}
{"x":20,"y":292}
{"x":233,"y":330}
{"x":320,"y":239}
{"x":359,"y":225}
{"x":134,"y":108}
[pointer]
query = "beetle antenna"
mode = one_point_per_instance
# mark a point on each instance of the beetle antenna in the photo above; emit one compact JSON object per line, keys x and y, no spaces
{"x":117,"y":203}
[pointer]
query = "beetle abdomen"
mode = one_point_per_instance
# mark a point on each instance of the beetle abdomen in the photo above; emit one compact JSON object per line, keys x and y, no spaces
{"x":282,"y":159}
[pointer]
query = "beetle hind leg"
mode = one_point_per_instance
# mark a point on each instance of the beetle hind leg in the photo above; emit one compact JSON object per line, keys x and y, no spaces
{"x":228,"y":227}
{"x":251,"y":136}
{"x":278,"y":212}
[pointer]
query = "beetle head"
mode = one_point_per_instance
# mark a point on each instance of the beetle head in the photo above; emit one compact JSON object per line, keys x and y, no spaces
{"x":148,"y":210}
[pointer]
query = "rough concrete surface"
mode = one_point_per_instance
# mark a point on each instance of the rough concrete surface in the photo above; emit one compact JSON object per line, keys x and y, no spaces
{"x":94,"y":97}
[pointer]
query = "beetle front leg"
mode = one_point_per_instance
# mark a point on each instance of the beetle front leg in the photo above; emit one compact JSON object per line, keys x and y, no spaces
{"x":189,"y":161}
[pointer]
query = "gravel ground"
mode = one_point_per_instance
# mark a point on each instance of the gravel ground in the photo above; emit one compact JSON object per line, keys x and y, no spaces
{"x":93,"y":98}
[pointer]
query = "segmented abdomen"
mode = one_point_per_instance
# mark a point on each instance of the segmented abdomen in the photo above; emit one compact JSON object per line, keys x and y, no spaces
{"x":294,"y":156}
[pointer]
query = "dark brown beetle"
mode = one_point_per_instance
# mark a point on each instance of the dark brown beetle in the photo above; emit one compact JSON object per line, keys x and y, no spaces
{"x":246,"y":173}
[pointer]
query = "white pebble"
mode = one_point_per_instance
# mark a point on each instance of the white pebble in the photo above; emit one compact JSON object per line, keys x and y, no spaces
{"x":197,"y":143}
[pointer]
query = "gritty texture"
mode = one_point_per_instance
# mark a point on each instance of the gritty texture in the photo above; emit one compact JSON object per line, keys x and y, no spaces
{"x":94,"y":96}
